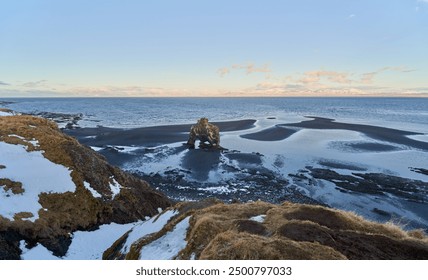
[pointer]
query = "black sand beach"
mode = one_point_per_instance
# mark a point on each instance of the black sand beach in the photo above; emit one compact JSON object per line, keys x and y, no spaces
{"x":160,"y":135}
{"x":233,"y":175}
{"x":147,"y":136}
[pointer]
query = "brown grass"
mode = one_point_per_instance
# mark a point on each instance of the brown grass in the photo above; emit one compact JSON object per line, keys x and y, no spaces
{"x":113,"y":252}
{"x":78,"y":210}
{"x":8,"y":184}
{"x":23,"y":215}
{"x":289,"y":231}
{"x":230,"y":245}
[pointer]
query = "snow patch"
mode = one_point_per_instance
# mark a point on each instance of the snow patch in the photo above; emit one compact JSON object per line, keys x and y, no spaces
{"x":168,"y":246}
{"x":90,"y":245}
{"x":17,"y":136}
{"x":34,"y":142}
{"x":38,"y":252}
{"x":114,"y":187}
{"x":96,"y":149}
{"x":145,"y":228}
{"x":259,"y":218}
{"x":5,"y":114}
{"x":93,"y":192}
{"x":36,"y":173}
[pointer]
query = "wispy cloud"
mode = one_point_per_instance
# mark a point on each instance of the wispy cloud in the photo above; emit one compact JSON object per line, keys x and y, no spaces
{"x":4,"y":84}
{"x":368,"y":78}
{"x":249,"y":68}
{"x":35,"y":84}
{"x":223,"y":71}
{"x":351,"y":16}
{"x":315,"y":77}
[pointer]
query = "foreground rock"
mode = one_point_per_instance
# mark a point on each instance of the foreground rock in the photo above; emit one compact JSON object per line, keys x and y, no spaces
{"x":210,"y":229}
{"x":51,"y":186}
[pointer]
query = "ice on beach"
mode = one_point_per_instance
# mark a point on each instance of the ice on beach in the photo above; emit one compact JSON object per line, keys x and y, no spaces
{"x":327,"y":192}
{"x":169,"y":245}
{"x":421,"y":137}
{"x":161,"y":159}
{"x":37,"y":175}
{"x":126,"y":149}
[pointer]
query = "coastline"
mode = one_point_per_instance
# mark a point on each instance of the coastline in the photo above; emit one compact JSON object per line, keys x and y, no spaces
{"x":273,"y":162}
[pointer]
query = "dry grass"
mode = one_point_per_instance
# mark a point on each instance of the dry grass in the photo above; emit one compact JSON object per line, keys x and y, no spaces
{"x":78,"y":210}
{"x":333,"y":219}
{"x":23,"y":215}
{"x":289,"y":231}
{"x":230,"y":245}
{"x":15,"y":187}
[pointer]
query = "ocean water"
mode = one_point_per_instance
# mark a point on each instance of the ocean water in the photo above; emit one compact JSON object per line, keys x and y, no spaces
{"x":404,"y":113}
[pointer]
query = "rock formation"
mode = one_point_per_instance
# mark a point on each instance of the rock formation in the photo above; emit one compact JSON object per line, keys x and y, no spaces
{"x":204,"y":132}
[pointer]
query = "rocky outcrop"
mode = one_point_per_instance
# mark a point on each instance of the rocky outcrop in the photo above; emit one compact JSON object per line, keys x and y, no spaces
{"x":260,"y":230}
{"x":204,"y":132}
{"x":99,"y":193}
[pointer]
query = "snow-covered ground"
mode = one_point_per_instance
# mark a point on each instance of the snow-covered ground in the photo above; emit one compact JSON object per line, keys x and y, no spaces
{"x":169,"y":245}
{"x":37,"y":175}
{"x":4,"y":114}
{"x":145,"y":228}
{"x":85,"y":245}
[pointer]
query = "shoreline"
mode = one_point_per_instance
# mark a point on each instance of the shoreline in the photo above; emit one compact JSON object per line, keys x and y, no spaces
{"x":167,"y":134}
{"x":270,"y":162}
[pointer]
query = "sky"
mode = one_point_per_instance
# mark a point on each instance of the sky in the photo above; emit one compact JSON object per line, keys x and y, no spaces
{"x":126,"y":48}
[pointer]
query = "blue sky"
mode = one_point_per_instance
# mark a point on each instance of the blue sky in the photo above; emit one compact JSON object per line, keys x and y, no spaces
{"x":214,"y":48}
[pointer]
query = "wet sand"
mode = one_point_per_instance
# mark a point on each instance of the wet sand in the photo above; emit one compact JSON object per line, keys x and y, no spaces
{"x":275,"y":133}
{"x":147,"y":136}
{"x":375,"y":132}
{"x":167,"y":134}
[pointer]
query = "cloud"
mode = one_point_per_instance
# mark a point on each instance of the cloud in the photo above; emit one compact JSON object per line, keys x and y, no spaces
{"x":249,"y":68}
{"x":39,"y":83}
{"x":351,"y":16}
{"x":368,"y":78}
{"x":315,"y":77}
{"x":223,"y":71}
{"x":4,"y":84}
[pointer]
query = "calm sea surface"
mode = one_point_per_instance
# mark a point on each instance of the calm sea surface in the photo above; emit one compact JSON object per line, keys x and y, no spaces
{"x":136,"y":112}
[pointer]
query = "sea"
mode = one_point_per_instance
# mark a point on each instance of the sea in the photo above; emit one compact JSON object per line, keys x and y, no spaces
{"x":400,"y":113}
